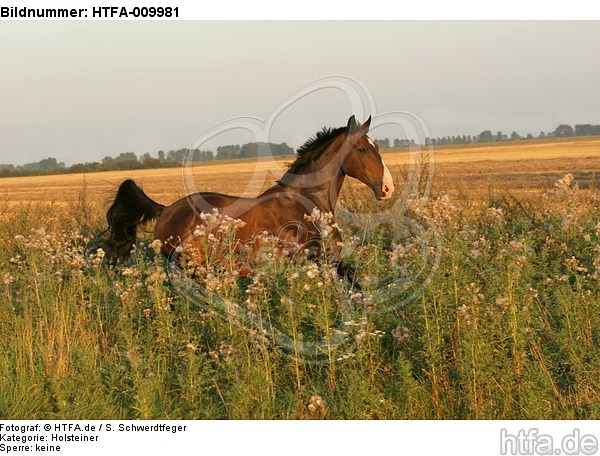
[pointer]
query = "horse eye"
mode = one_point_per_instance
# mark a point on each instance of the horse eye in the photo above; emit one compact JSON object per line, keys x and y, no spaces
{"x":362,"y":150}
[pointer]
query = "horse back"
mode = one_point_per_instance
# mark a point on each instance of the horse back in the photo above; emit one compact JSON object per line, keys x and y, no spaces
{"x":278,"y":213}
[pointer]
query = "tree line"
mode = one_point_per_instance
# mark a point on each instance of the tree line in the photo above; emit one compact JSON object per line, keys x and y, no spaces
{"x":123,"y":161}
{"x":253,"y":150}
{"x":486,"y":136}
{"x":47,"y":164}
{"x":130,"y":161}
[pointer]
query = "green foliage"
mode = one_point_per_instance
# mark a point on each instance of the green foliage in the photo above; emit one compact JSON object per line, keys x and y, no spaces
{"x":485,"y":136}
{"x":587,"y":130}
{"x":252,"y":150}
{"x":564,"y":131}
{"x":124,"y":156}
{"x":122,"y":162}
{"x":508,"y":328}
{"x":383,"y":143}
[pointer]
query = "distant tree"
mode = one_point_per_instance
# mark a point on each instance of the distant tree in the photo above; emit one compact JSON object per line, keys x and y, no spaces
{"x":34,"y":166}
{"x":150,"y":162}
{"x":227,"y":152}
{"x":196,"y":155}
{"x":161,"y":155}
{"x":122,"y":157}
{"x":277,"y":149}
{"x":125,"y":156}
{"x":249,"y":150}
{"x":485,"y":136}
{"x":50,"y":163}
{"x":78,"y":168}
{"x":542,"y":135}
{"x":6,"y":170}
{"x":587,"y":130}
{"x":200,"y":155}
{"x":383,"y":143}
{"x":563,"y":131}
{"x":127,"y":164}
{"x":529,"y":136}
{"x":177,"y":156}
{"x":403,"y":142}
{"x":144,"y":156}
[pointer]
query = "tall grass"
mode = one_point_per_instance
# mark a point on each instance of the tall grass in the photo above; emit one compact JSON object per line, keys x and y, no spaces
{"x":507,"y":327}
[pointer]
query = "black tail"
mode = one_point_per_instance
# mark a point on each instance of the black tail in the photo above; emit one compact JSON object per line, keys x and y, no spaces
{"x":131,"y":208}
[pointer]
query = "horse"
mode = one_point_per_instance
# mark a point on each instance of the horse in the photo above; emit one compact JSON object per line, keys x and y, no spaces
{"x":312,"y":181}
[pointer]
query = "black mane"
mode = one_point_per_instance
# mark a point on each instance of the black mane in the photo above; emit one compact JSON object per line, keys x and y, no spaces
{"x":313,"y":147}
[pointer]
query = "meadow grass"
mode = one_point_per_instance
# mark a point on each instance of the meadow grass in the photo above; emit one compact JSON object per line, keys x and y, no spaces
{"x":506,"y":326}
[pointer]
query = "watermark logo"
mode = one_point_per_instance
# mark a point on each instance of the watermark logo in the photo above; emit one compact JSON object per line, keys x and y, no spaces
{"x":388,"y":287}
{"x":533,"y":442}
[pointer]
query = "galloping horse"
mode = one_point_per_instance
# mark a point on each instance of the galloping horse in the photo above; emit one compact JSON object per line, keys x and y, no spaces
{"x":314,"y":180}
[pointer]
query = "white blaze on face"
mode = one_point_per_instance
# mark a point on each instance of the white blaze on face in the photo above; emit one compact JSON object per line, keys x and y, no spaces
{"x":387,"y":183}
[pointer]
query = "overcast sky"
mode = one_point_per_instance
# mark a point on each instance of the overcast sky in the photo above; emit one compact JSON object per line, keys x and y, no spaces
{"x":79,"y":91}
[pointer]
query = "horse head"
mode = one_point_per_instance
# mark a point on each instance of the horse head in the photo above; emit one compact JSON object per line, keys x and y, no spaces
{"x":363,"y":161}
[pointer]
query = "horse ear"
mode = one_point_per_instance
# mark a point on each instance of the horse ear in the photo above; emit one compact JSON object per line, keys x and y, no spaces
{"x":352,"y":126}
{"x":365,"y":127}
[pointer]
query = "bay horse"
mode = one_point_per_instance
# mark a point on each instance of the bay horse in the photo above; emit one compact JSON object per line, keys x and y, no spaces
{"x":313,"y":180}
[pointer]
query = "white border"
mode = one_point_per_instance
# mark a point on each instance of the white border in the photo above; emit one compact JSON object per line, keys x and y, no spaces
{"x":346,"y":10}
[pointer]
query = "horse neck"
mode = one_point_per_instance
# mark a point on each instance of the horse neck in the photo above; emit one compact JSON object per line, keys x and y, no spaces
{"x":320,"y":181}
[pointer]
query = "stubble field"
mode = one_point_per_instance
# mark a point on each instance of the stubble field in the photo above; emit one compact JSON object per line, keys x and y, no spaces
{"x":492,"y":310}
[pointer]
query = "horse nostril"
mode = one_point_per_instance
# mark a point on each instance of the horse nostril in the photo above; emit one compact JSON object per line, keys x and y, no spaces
{"x":386,"y":189}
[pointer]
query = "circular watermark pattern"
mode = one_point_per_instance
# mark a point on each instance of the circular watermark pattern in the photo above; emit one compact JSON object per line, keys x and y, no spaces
{"x":391,"y":280}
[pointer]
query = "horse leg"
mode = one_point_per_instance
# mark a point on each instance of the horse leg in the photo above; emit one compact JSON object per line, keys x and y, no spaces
{"x":245,"y":270}
{"x":347,"y":272}
{"x":344,"y":270}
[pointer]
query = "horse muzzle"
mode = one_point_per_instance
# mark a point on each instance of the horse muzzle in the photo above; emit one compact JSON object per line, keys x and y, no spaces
{"x":387,"y":185}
